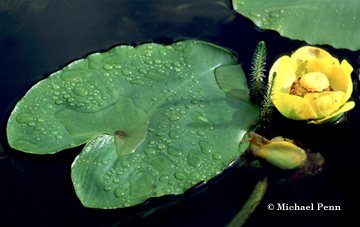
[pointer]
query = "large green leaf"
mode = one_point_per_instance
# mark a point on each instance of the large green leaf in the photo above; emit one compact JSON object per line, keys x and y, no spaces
{"x":155,"y":118}
{"x":317,"y":22}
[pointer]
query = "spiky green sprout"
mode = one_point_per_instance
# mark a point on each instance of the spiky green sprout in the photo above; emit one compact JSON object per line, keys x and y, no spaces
{"x":261,"y":94}
{"x":267,"y":105}
{"x":257,"y":74}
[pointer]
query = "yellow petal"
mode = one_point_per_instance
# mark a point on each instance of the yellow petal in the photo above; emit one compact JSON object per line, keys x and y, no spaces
{"x":347,"y":69}
{"x":323,"y":66}
{"x":299,"y":67}
{"x":326,"y":103}
{"x":303,"y":55}
{"x":346,"y":107}
{"x":308,"y":52}
{"x":285,"y":76}
{"x":338,"y":79}
{"x":293,"y":107}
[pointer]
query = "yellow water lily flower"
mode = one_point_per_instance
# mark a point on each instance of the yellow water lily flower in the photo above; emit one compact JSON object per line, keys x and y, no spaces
{"x":312,"y":85}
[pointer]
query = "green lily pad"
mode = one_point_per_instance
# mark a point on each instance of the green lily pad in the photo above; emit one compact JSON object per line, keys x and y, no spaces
{"x":317,"y":22}
{"x":155,"y":119}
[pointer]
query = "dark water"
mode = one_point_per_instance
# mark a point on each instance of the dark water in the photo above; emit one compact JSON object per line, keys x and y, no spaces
{"x":39,"y":37}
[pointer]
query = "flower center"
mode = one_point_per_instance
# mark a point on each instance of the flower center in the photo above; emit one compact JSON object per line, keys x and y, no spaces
{"x":314,"y":82}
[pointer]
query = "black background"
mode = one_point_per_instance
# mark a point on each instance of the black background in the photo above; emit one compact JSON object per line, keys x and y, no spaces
{"x":38,"y":37}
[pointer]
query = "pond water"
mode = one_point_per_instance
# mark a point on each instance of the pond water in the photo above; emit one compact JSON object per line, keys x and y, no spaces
{"x":39,"y":37}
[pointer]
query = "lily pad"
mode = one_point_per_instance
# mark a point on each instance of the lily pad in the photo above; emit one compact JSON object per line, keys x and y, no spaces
{"x":154,"y":118}
{"x":317,"y":22}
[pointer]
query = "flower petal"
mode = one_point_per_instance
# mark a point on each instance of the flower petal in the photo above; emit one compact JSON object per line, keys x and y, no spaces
{"x":308,"y":52}
{"x":326,"y":103}
{"x":303,"y":55}
{"x":346,"y":107}
{"x":293,"y":107}
{"x":285,"y":76}
{"x":338,"y":79}
{"x":323,"y":66}
{"x":348,"y":69}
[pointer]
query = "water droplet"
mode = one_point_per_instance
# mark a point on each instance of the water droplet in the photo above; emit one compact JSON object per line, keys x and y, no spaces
{"x":159,"y":162}
{"x":126,"y":72}
{"x":240,"y":3}
{"x":137,"y":165}
{"x":119,"y":192}
{"x":173,"y":135}
{"x":180,"y":176}
{"x":161,"y":134}
{"x":162,"y":178}
{"x":142,"y":70}
{"x":217,"y":156}
{"x":150,"y":151}
{"x":162,"y":52}
{"x":194,"y":158}
{"x":254,"y":14}
{"x":174,"y":151}
{"x":125,"y":164}
{"x":40,"y":120}
{"x":206,"y":148}
{"x":176,"y":64}
{"x":38,"y":128}
{"x":92,"y":65}
{"x":116,"y":181}
{"x":80,"y":91}
{"x":194,"y":101}
{"x":55,"y":86}
{"x":168,"y":65}
{"x":107,"y":188}
{"x":201,"y":133}
{"x":160,"y":71}
{"x":107,"y":67}
{"x":72,"y":75}
{"x":273,"y":15}
{"x":23,"y":118}
{"x":31,"y":123}
{"x":161,"y":146}
{"x":174,"y":118}
{"x":148,"y":62}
